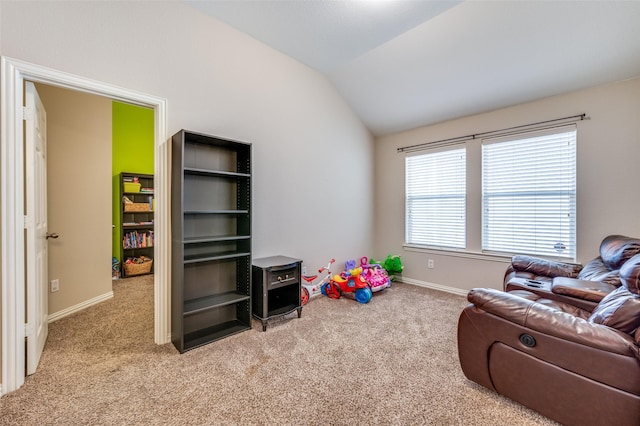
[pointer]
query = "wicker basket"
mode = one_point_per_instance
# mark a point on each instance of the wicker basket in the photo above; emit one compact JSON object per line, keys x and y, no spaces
{"x":138,"y":268}
{"x":136,"y":207}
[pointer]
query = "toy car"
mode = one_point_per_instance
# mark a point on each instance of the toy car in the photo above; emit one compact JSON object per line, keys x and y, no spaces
{"x":348,"y":284}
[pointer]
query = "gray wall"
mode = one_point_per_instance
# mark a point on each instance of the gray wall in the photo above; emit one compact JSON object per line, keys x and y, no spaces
{"x":219,"y":81}
{"x":313,"y":158}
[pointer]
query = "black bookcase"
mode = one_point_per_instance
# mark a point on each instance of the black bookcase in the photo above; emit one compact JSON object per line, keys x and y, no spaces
{"x":136,"y":221}
{"x":211,"y":239}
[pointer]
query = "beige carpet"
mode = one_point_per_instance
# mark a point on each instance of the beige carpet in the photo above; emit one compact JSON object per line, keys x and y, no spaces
{"x":392,"y":361}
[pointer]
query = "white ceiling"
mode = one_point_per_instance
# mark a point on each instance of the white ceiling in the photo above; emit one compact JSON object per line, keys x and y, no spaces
{"x":408,"y":63}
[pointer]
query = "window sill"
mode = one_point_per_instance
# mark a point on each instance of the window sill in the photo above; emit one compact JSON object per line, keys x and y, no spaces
{"x":479,"y":255}
{"x":503,"y":258}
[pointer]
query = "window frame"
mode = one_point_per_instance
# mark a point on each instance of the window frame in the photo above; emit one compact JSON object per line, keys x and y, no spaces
{"x":564,"y":194}
{"x":437,"y":241}
{"x":474,"y":212}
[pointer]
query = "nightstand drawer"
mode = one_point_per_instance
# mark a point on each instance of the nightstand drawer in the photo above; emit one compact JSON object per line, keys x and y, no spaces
{"x":283,"y":275}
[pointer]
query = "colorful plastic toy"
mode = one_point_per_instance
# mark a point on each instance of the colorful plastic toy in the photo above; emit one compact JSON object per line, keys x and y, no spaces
{"x":392,"y":264}
{"x":350,"y":281}
{"x":350,"y":269}
{"x":374,"y":275}
{"x":310,"y":289}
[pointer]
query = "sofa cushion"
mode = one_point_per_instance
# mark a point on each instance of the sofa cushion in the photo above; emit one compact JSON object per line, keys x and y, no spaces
{"x":615,"y":250}
{"x":630,"y":274}
{"x":620,"y":309}
{"x":543,"y":267}
{"x":594,"y":291}
{"x":596,"y":270}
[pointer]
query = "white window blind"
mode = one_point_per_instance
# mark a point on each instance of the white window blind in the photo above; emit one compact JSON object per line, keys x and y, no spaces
{"x":529,"y":193}
{"x":436,"y":198}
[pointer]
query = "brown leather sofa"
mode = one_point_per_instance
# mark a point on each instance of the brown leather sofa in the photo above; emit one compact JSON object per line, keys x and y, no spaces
{"x":576,"y":363}
{"x":583,"y":286}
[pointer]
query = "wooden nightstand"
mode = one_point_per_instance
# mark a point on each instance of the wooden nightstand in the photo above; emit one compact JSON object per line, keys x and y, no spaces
{"x":276,"y":287}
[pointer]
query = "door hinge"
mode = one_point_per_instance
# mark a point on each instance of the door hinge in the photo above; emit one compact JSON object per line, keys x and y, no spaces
{"x":27,"y":113}
{"x":28,"y":330}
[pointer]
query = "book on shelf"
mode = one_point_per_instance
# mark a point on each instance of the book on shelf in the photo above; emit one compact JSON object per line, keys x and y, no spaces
{"x":135,"y":239}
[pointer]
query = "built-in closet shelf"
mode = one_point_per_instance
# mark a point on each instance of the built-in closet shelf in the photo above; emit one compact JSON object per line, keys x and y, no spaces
{"x":137,"y":226}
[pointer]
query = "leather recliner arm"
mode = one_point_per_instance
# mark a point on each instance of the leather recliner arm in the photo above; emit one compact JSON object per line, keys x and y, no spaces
{"x":552,"y":321}
{"x":544,"y":267}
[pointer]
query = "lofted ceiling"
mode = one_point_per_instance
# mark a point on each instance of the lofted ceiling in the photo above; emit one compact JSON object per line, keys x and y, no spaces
{"x":402,"y":64}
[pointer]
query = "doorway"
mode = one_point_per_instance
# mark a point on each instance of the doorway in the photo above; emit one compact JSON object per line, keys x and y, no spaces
{"x":79,"y":199}
{"x":15,"y":73}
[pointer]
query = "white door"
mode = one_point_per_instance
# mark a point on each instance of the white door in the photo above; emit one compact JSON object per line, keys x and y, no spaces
{"x":36,"y":225}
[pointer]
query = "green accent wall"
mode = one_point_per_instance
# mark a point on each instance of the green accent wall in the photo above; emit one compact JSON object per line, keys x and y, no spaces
{"x":132,"y":145}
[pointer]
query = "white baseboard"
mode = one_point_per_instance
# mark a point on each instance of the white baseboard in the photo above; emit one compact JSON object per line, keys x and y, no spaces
{"x":79,"y":307}
{"x":447,"y":289}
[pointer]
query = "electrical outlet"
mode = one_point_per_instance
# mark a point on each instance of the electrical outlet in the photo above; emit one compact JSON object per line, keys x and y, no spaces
{"x":55,"y":285}
{"x":304,"y":270}
{"x":430,"y":264}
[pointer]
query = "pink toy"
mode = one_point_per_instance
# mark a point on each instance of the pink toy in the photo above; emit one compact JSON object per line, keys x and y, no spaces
{"x":374,"y":275}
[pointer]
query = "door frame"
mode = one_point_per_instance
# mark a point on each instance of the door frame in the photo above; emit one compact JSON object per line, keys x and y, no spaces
{"x":14,"y":73}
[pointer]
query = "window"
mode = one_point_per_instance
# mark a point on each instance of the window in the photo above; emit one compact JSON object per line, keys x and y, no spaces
{"x":529,"y":193}
{"x":436,"y":198}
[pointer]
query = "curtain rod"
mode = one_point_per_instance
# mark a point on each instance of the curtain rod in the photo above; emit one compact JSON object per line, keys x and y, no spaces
{"x":453,"y":141}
